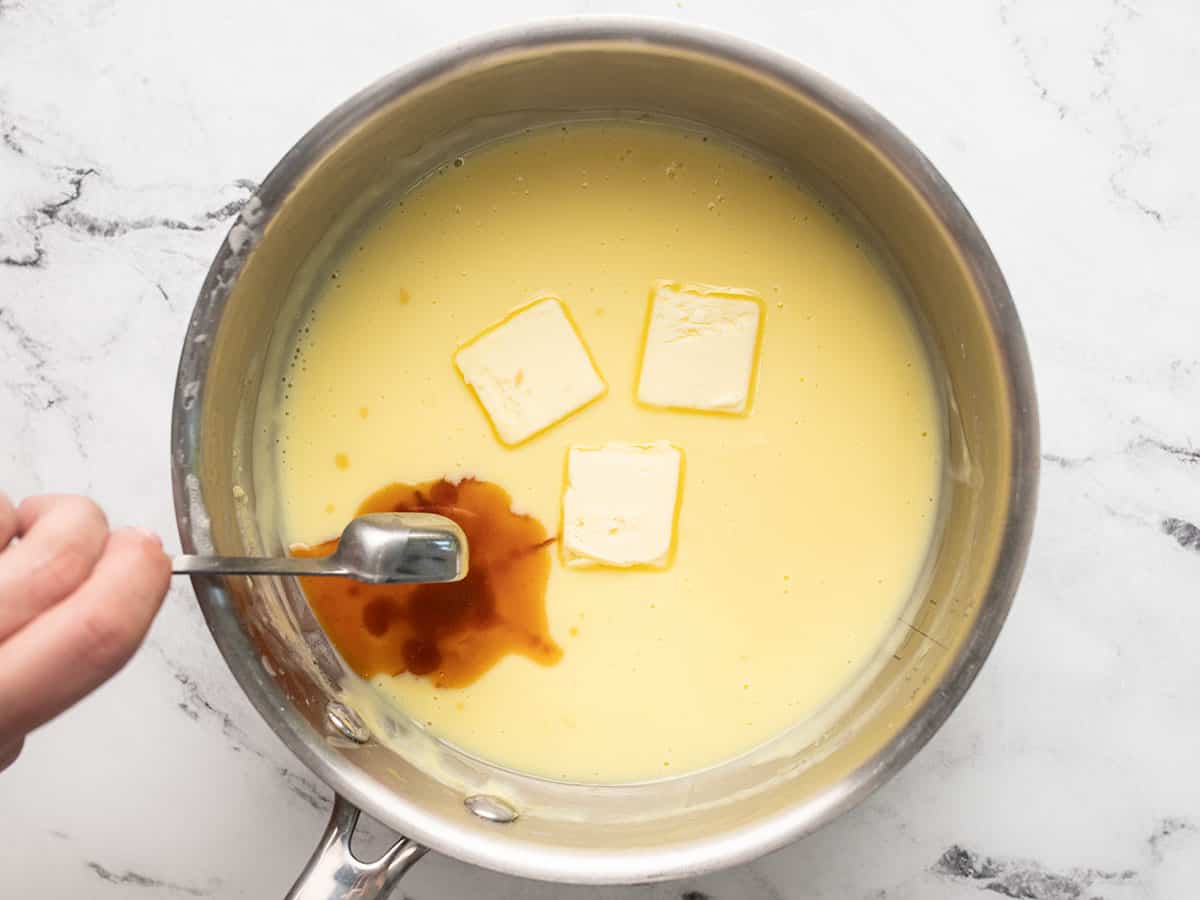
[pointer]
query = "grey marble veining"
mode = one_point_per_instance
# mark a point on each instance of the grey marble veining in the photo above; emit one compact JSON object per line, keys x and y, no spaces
{"x":131,"y":133}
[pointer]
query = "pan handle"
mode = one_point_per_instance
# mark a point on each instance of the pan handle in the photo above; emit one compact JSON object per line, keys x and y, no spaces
{"x":335,"y":873}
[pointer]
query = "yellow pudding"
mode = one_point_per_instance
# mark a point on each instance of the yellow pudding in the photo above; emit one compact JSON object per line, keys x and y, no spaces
{"x":808,"y":498}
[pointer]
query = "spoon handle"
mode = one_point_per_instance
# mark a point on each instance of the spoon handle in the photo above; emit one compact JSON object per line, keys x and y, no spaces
{"x":254,"y":565}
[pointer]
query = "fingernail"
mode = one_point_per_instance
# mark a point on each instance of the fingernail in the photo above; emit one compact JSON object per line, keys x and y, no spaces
{"x":148,"y":535}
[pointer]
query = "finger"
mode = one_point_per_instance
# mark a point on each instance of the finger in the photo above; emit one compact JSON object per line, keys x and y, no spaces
{"x":61,"y":537}
{"x":10,"y":752}
{"x":78,"y":644}
{"x":8,"y":520}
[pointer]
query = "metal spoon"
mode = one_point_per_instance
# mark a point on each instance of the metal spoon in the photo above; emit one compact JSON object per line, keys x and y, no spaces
{"x":379,"y":548}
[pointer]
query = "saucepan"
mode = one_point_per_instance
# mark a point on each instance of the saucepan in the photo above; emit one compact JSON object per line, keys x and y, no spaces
{"x":374,"y":759}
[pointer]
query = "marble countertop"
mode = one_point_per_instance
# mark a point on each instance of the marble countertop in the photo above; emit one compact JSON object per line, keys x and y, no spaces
{"x":131,"y":133}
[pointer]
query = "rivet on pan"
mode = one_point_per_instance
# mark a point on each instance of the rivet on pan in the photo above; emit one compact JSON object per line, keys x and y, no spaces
{"x":346,"y":722}
{"x":491,"y":808}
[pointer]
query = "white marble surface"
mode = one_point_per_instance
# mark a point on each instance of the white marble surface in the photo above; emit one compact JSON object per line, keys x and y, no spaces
{"x":131,"y":131}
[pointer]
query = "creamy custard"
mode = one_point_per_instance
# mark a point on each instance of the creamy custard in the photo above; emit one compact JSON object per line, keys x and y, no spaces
{"x":802,"y":524}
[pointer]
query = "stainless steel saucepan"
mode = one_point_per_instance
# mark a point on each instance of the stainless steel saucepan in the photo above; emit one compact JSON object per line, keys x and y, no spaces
{"x":234,"y":361}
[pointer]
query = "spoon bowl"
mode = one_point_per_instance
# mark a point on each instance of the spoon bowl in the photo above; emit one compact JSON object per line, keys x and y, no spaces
{"x":397,"y":548}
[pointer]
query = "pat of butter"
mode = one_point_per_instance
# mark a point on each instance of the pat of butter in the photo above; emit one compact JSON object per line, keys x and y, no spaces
{"x":530,"y":370}
{"x":701,"y":347}
{"x":620,"y":505}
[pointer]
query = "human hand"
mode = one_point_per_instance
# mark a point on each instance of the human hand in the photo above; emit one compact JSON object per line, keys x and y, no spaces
{"x":75,"y":602}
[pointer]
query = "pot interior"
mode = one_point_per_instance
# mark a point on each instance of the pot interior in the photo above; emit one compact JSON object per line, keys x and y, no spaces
{"x":387,"y":139}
